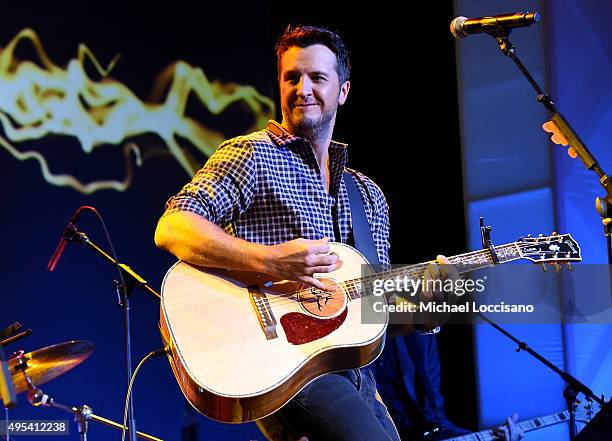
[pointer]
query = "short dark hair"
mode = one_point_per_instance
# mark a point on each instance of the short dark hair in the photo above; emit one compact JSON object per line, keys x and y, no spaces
{"x":304,"y":36}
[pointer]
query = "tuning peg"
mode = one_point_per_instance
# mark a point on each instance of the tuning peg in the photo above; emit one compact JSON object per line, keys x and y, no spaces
{"x":570,"y":267}
{"x":540,"y":235}
{"x":557,"y":267}
{"x":543,"y":265}
{"x":529,"y":236}
{"x":554,"y":233}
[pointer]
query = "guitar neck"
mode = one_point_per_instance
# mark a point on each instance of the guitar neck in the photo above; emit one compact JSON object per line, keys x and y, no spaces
{"x":475,"y":260}
{"x":525,"y":426}
{"x":464,"y":263}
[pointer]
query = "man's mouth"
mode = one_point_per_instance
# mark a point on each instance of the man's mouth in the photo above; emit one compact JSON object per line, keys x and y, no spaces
{"x":303,"y":105}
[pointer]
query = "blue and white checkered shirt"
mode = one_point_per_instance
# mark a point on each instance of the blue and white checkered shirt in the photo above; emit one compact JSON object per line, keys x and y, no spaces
{"x":266,"y":187}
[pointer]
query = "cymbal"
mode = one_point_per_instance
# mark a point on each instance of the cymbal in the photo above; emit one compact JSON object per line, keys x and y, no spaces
{"x":43,"y":365}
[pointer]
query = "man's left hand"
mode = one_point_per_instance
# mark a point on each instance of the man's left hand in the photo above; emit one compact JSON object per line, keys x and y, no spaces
{"x":441,"y":270}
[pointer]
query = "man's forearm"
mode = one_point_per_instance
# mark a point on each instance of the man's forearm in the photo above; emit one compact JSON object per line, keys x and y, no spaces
{"x":196,"y":240}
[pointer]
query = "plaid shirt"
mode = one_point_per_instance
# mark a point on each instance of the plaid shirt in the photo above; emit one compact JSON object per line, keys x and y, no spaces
{"x":266,"y":187}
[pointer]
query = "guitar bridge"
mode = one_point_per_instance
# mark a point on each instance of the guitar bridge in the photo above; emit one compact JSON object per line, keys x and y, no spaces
{"x":264,"y":312}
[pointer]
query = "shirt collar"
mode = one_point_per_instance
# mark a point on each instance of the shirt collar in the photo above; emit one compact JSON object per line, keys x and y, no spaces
{"x":337,"y":152}
{"x":281,"y":137}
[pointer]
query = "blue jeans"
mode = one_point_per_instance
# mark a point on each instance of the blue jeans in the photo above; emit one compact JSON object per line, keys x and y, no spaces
{"x":342,"y":406}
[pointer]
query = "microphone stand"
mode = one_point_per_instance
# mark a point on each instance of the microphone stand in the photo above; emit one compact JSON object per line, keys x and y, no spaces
{"x":9,"y":335}
{"x":574,"y":386}
{"x":604,"y":203}
{"x":604,"y":208}
{"x":82,"y":414}
{"x":123,"y":292}
{"x":7,"y":391}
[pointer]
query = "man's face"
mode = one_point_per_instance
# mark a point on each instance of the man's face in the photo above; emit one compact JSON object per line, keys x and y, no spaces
{"x":310,"y":89}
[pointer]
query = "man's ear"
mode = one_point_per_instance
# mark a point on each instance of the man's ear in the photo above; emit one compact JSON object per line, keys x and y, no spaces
{"x":344,"y":90}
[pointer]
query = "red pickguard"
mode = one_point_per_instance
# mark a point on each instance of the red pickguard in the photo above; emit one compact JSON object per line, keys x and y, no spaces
{"x":302,"y":328}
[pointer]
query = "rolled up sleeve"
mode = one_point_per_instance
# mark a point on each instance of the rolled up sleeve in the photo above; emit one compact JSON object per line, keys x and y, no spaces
{"x":223,"y":189}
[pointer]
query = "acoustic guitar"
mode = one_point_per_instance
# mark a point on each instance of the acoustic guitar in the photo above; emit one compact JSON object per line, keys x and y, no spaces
{"x":242,"y":345}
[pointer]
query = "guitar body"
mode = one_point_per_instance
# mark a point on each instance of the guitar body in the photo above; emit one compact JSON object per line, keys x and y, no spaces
{"x":243,"y":345}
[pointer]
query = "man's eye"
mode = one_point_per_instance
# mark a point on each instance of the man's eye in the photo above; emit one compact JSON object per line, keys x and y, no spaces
{"x":318,"y":78}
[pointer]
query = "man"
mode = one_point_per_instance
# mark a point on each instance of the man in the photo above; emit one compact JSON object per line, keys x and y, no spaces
{"x":270,"y":201}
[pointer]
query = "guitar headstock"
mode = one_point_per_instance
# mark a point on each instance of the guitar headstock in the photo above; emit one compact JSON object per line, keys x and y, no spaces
{"x":555,"y":249}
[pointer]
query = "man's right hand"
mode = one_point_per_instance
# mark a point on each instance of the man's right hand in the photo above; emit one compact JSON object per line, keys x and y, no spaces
{"x":196,"y":240}
{"x":299,"y":259}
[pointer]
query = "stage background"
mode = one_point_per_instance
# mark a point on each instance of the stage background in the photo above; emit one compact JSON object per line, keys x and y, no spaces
{"x":400,"y":120}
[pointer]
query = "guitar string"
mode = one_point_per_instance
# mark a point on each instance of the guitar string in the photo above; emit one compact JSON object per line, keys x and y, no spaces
{"x":294,"y":296}
{"x":349,"y":286}
{"x":412,"y":270}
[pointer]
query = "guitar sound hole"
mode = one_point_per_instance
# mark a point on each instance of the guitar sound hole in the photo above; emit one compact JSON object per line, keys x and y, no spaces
{"x":323,"y":303}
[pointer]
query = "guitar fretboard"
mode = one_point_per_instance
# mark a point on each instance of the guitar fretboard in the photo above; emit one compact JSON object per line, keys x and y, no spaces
{"x":464,"y":263}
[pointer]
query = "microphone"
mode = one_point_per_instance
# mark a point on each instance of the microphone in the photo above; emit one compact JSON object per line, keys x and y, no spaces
{"x":64,"y":239}
{"x":461,"y":27}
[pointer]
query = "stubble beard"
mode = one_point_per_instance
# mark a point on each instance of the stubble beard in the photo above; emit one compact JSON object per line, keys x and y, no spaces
{"x":312,"y":129}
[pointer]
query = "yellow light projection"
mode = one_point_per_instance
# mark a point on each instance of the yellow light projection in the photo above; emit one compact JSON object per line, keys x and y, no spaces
{"x":37,"y":101}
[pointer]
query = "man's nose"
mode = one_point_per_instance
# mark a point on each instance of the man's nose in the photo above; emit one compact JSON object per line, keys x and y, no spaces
{"x":304,"y":86}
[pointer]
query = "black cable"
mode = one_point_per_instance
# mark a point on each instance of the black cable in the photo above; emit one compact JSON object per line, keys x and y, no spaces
{"x":110,"y":243}
{"x":129,"y":390}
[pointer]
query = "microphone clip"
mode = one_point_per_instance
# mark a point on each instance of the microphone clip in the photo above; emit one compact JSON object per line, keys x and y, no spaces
{"x":71,"y":234}
{"x":504,"y":44}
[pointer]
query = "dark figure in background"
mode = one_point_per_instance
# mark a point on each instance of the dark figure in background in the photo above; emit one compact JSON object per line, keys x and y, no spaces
{"x":408,"y":376}
{"x":408,"y":379}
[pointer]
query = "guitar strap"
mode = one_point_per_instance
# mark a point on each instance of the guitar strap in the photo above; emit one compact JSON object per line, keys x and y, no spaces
{"x":408,"y":366}
{"x":362,"y":234}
